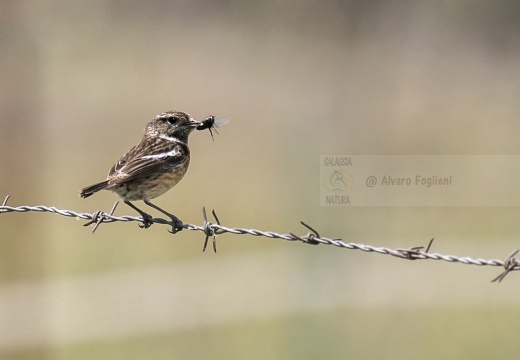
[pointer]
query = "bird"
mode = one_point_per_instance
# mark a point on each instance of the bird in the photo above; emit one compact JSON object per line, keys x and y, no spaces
{"x":153,"y":166}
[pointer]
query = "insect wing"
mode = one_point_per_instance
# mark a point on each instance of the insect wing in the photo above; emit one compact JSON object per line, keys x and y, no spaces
{"x":220,"y":122}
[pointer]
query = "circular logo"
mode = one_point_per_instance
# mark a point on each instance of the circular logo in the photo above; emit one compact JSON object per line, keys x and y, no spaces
{"x":337,"y":181}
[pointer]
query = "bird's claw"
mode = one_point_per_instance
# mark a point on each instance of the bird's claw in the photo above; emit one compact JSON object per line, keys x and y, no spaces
{"x":176,"y":226}
{"x":147,"y":221}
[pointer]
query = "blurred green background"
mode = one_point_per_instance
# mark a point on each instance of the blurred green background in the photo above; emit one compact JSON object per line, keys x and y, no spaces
{"x":297,"y":79}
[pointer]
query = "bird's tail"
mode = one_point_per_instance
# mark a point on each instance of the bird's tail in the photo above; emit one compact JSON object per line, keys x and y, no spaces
{"x":89,"y":190}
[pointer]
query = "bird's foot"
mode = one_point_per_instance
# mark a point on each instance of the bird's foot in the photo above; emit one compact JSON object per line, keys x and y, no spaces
{"x":147,"y":218}
{"x":177,"y":224}
{"x":147,"y":221}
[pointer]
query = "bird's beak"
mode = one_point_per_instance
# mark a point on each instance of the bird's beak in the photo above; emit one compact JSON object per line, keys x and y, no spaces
{"x":194,"y":123}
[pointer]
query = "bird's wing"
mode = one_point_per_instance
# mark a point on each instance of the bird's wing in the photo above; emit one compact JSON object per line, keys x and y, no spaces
{"x":146,"y":159}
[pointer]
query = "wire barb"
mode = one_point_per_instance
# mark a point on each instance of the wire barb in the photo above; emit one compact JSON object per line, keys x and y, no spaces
{"x":208,"y":229}
{"x":100,"y":216}
{"x":5,"y":200}
{"x":309,"y":238}
{"x":511,"y":264}
{"x":415,"y":253}
{"x":313,"y":237}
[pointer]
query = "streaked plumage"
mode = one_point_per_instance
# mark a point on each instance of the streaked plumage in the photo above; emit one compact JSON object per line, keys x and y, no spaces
{"x":152,"y":167}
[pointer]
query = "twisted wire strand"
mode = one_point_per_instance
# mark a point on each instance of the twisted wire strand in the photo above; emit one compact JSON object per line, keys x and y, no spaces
{"x":313,"y":238}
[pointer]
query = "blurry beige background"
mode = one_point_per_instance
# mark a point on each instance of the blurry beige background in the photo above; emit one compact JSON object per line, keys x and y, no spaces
{"x":297,"y":79}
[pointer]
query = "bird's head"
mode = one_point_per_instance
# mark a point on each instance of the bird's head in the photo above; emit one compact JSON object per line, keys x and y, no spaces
{"x":172,"y":125}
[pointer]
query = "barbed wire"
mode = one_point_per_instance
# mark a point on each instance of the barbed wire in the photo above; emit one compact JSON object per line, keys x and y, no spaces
{"x":212,"y":229}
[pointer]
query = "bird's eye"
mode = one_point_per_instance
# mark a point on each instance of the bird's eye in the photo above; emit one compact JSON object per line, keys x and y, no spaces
{"x":172,"y":119}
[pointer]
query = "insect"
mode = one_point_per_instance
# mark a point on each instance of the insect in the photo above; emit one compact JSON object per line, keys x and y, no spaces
{"x":212,"y":124}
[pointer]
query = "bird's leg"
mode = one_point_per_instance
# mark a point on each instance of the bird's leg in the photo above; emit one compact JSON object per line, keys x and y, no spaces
{"x":147,"y":218}
{"x":177,"y":223}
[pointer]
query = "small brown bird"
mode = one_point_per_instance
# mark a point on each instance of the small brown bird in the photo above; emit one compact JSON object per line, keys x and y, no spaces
{"x":153,"y":166}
